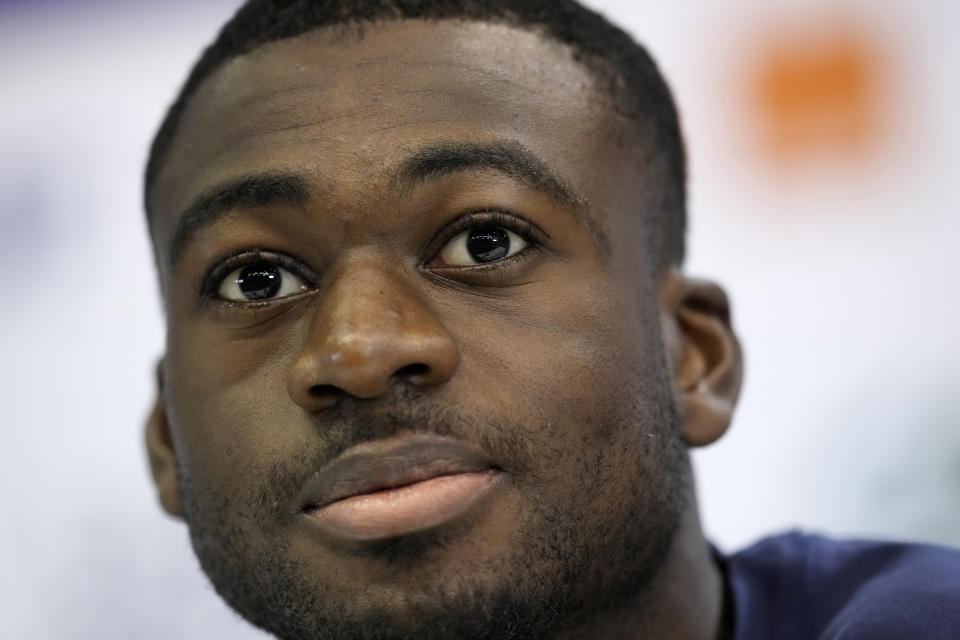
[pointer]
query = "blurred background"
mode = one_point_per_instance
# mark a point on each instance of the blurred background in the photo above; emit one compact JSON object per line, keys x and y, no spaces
{"x":824,"y":144}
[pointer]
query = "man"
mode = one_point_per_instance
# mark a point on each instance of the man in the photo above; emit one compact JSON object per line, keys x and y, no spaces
{"x":432,"y":365}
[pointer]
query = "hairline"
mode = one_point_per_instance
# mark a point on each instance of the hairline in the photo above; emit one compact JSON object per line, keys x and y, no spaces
{"x":356,"y":28}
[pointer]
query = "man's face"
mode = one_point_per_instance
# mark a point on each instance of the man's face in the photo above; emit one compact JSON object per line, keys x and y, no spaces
{"x":414,"y":258}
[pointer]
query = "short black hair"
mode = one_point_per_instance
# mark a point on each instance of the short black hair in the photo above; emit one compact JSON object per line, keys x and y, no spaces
{"x":620,"y":65}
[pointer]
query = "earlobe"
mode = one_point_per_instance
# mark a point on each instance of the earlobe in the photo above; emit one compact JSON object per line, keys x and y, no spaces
{"x":704,"y":354}
{"x":162,"y":454}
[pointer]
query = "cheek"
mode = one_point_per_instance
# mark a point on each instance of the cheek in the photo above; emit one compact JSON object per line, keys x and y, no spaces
{"x":219,"y":354}
{"x":572,"y":369}
{"x":229,"y":409}
{"x":569,"y":343}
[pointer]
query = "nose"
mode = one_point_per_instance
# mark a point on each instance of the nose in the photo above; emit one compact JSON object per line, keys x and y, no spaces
{"x":370,"y":331}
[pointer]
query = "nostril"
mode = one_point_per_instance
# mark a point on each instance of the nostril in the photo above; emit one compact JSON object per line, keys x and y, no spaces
{"x":324,"y":392}
{"x":412,"y":370}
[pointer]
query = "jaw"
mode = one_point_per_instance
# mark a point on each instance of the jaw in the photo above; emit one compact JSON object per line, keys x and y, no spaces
{"x":679,"y":597}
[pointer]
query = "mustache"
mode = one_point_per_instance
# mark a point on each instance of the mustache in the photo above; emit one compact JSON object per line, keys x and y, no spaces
{"x":354,"y":421}
{"x":351,"y":422}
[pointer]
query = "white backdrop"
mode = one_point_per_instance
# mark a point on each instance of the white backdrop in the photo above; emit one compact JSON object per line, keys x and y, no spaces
{"x":843,"y":276}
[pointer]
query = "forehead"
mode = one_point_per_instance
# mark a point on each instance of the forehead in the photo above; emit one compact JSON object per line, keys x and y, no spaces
{"x":342,"y":107}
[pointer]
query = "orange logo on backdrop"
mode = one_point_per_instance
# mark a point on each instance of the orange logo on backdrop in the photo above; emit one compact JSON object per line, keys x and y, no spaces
{"x":815,"y":92}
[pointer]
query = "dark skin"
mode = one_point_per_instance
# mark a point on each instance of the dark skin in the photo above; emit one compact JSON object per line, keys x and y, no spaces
{"x":578,"y":362}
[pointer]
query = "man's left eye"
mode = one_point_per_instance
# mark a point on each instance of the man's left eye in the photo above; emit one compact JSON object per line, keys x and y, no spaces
{"x":480,"y":246}
{"x":260,"y":281}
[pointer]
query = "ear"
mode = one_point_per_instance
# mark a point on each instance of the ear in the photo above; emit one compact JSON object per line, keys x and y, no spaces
{"x":163,"y":464}
{"x":703,"y":354}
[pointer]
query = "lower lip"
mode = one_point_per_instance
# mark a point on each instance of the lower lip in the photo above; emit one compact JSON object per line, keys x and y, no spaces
{"x":404,"y":510}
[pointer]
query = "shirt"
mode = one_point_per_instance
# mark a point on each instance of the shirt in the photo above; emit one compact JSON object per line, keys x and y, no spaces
{"x":807,"y":587}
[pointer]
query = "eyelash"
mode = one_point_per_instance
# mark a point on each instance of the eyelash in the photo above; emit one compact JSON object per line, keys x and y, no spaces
{"x":209,"y":285}
{"x":479,"y":219}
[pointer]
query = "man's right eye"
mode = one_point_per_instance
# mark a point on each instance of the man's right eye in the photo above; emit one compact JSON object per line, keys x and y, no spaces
{"x":260,"y":281}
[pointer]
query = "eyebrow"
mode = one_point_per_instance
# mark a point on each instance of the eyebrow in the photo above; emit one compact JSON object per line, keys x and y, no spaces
{"x":427,"y":164}
{"x":249,"y":192}
{"x":505,"y":157}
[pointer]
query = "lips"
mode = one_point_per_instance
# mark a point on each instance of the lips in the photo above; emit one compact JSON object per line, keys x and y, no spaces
{"x":385,"y":490}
